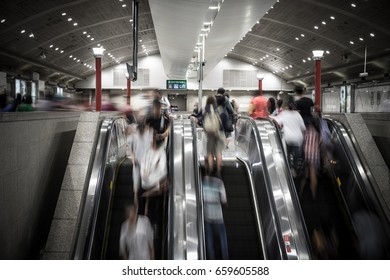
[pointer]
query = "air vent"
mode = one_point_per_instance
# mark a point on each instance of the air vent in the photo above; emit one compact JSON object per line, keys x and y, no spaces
{"x":143,"y":78}
{"x":240,"y":78}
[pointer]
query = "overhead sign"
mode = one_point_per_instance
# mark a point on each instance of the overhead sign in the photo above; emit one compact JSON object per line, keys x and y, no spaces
{"x":176,"y":84}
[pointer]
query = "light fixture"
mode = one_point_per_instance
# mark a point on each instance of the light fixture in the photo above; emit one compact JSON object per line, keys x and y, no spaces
{"x":98,"y":45}
{"x":131,"y":20}
{"x":332,"y":18}
{"x":277,"y":49}
{"x":260,"y":76}
{"x":290,"y":66}
{"x":75,"y":24}
{"x":57,"y":49}
{"x":315,"y":27}
{"x":324,"y":22}
{"x":140,"y":41}
{"x":258,"y":22}
{"x":92,"y":39}
{"x":328,"y":52}
{"x":205,"y":29}
{"x":208,"y":23}
{"x":372,"y":34}
{"x":51,"y":46}
{"x":31,"y":35}
{"x":62,"y":51}
{"x":124,"y":6}
{"x":63,"y":14}
{"x":267,"y":55}
{"x":318,"y":54}
{"x":78,"y":60}
{"x":309,"y":59}
{"x":88,"y":36}
{"x":302,"y":35}
{"x":3,"y":20}
{"x":85,"y":32}
{"x":214,"y":7}
{"x":75,"y":58}
{"x":23,"y":31}
{"x":361,"y":39}
{"x":296,"y":38}
{"x":351,"y":42}
{"x":304,"y":61}
{"x":353,"y":5}
{"x":70,"y":19}
{"x":70,"y":56}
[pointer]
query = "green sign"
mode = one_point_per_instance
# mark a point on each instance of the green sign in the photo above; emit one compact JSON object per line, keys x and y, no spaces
{"x":176,"y":84}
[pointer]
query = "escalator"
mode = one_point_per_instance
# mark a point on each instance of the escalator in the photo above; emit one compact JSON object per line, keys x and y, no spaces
{"x":239,"y":215}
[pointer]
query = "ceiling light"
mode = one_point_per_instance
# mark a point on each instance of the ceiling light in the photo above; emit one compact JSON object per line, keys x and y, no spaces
{"x":70,"y":56}
{"x":63,"y":14}
{"x":351,"y":42}
{"x":78,"y":60}
{"x":140,"y":41}
{"x":124,"y":6}
{"x":88,"y":36}
{"x":332,"y":18}
{"x":214,"y":7}
{"x":304,"y":61}
{"x":208,"y":23}
{"x":308,"y":58}
{"x":324,"y":23}
{"x":57,"y":49}
{"x":75,"y":58}
{"x":22,"y":31}
{"x":372,"y":34}
{"x":315,"y":27}
{"x":277,"y":49}
{"x":85,"y":32}
{"x":3,"y":20}
{"x":290,"y":66}
{"x":328,"y":52}
{"x":258,"y":22}
{"x":147,"y":54}
{"x":92,"y":39}
{"x":267,"y":55}
{"x":70,"y":19}
{"x":75,"y":24}
{"x":62,"y":51}
{"x":203,"y":35}
{"x":353,"y":5}
{"x":51,"y":46}
{"x":318,"y":54}
{"x":98,"y":45}
{"x":31,"y":35}
{"x":296,"y":38}
{"x":131,"y":20}
{"x":302,"y":35}
{"x":261,"y":59}
{"x":361,"y":39}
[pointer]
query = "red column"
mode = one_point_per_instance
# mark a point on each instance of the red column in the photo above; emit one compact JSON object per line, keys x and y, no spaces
{"x":128,"y":91}
{"x":98,"y":97}
{"x":317,"y":101}
{"x":260,"y":87}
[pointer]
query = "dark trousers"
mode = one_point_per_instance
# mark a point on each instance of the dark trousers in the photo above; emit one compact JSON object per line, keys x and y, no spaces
{"x":213,"y":230}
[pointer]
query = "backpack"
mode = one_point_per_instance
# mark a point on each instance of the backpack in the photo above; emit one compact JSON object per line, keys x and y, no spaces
{"x":211,"y":123}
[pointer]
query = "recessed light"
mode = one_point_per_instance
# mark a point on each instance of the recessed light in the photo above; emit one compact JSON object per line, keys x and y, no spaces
{"x":353,"y":5}
{"x":109,"y":54}
{"x":57,"y":49}
{"x":267,"y":55}
{"x":257,"y":22}
{"x":266,"y":13}
{"x":3,"y":20}
{"x":70,"y":56}
{"x":62,"y":51}
{"x":315,"y":27}
{"x":308,"y":58}
{"x":92,"y":39}
{"x":23,"y":31}
{"x":131,"y":20}
{"x":124,"y":6}
{"x":85,"y":32}
{"x":214,"y":7}
{"x":332,"y":18}
{"x":272,"y":7}
{"x":250,"y":30}
{"x":140,"y":41}
{"x":63,"y":14}
{"x":351,"y":42}
{"x":75,"y":24}
{"x":324,"y":22}
{"x":290,"y":66}
{"x":31,"y":35}
{"x":302,"y":35}
{"x":328,"y":52}
{"x":51,"y":46}
{"x":361,"y":39}
{"x":88,"y":36}
{"x":261,"y":59}
{"x":372,"y":34}
{"x":70,"y":19}
{"x":296,"y":38}
{"x":98,"y":45}
{"x":208,"y":23}
{"x":304,"y":61}
{"x":78,"y":60}
{"x":75,"y":58}
{"x":277,"y":49}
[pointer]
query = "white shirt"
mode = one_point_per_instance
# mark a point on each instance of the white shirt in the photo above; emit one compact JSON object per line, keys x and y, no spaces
{"x":140,"y":144}
{"x":136,"y":241}
{"x":292,"y":127}
{"x":153,"y":168}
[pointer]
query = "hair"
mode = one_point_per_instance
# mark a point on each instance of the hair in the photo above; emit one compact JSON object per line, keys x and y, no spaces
{"x":220,"y":100}
{"x":291,"y":103}
{"x":221,"y":90}
{"x":156,"y":103}
{"x":280,"y":103}
{"x":210,"y":102}
{"x":271,"y":105}
{"x":299,"y":90}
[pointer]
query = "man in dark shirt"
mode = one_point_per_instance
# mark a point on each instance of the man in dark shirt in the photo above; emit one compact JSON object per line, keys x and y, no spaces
{"x":159,"y":123}
{"x":304,"y":105}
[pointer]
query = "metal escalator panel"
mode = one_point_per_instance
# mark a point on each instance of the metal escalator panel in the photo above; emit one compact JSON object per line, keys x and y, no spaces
{"x":239,"y":216}
{"x":358,"y":194}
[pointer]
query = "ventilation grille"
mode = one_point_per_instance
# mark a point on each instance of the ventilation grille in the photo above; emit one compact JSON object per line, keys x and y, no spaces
{"x":239,"y":78}
{"x":120,"y":77}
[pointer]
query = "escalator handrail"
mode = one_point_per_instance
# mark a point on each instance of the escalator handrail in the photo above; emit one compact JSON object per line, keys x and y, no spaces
{"x":278,"y":230}
{"x":91,"y":198}
{"x":360,"y":170}
{"x":291,"y":184}
{"x":200,"y":209}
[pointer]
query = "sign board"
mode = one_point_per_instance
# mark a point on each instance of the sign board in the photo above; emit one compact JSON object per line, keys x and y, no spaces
{"x":176,"y":84}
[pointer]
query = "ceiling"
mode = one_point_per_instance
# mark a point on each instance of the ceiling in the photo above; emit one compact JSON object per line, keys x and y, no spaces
{"x":280,"y":42}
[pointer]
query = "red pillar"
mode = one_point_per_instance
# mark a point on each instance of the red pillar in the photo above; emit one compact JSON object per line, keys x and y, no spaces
{"x":317,"y":99}
{"x":98,"y":97}
{"x":260,"y":87}
{"x":128,"y":91}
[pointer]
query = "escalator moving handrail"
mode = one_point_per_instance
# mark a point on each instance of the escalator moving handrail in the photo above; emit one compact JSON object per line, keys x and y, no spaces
{"x":87,"y":221}
{"x":268,"y":186}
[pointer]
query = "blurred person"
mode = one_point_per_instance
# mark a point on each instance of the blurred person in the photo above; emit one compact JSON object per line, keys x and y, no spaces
{"x":258,"y":108}
{"x":279,"y":107}
{"x":304,"y":105}
{"x":26,"y":105}
{"x":236,"y":109}
{"x":159,"y":123}
{"x":271,"y":104}
{"x":165,"y":104}
{"x":136,"y":237}
{"x":214,"y":195}
{"x":326,"y":146}
{"x":197,"y":115}
{"x":17,"y":101}
{"x":4,"y":105}
{"x":227,"y":123}
{"x":106,"y":103}
{"x":293,"y":129}
{"x":215,"y":136}
{"x":221,"y":92}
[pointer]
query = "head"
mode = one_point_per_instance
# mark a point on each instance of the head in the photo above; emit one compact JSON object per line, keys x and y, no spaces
{"x":299,"y":90}
{"x":156,"y":107}
{"x":211,"y":102}
{"x":131,"y":213}
{"x":271,"y":104}
{"x":27,"y":99}
{"x":159,"y":94}
{"x":221,"y":91}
